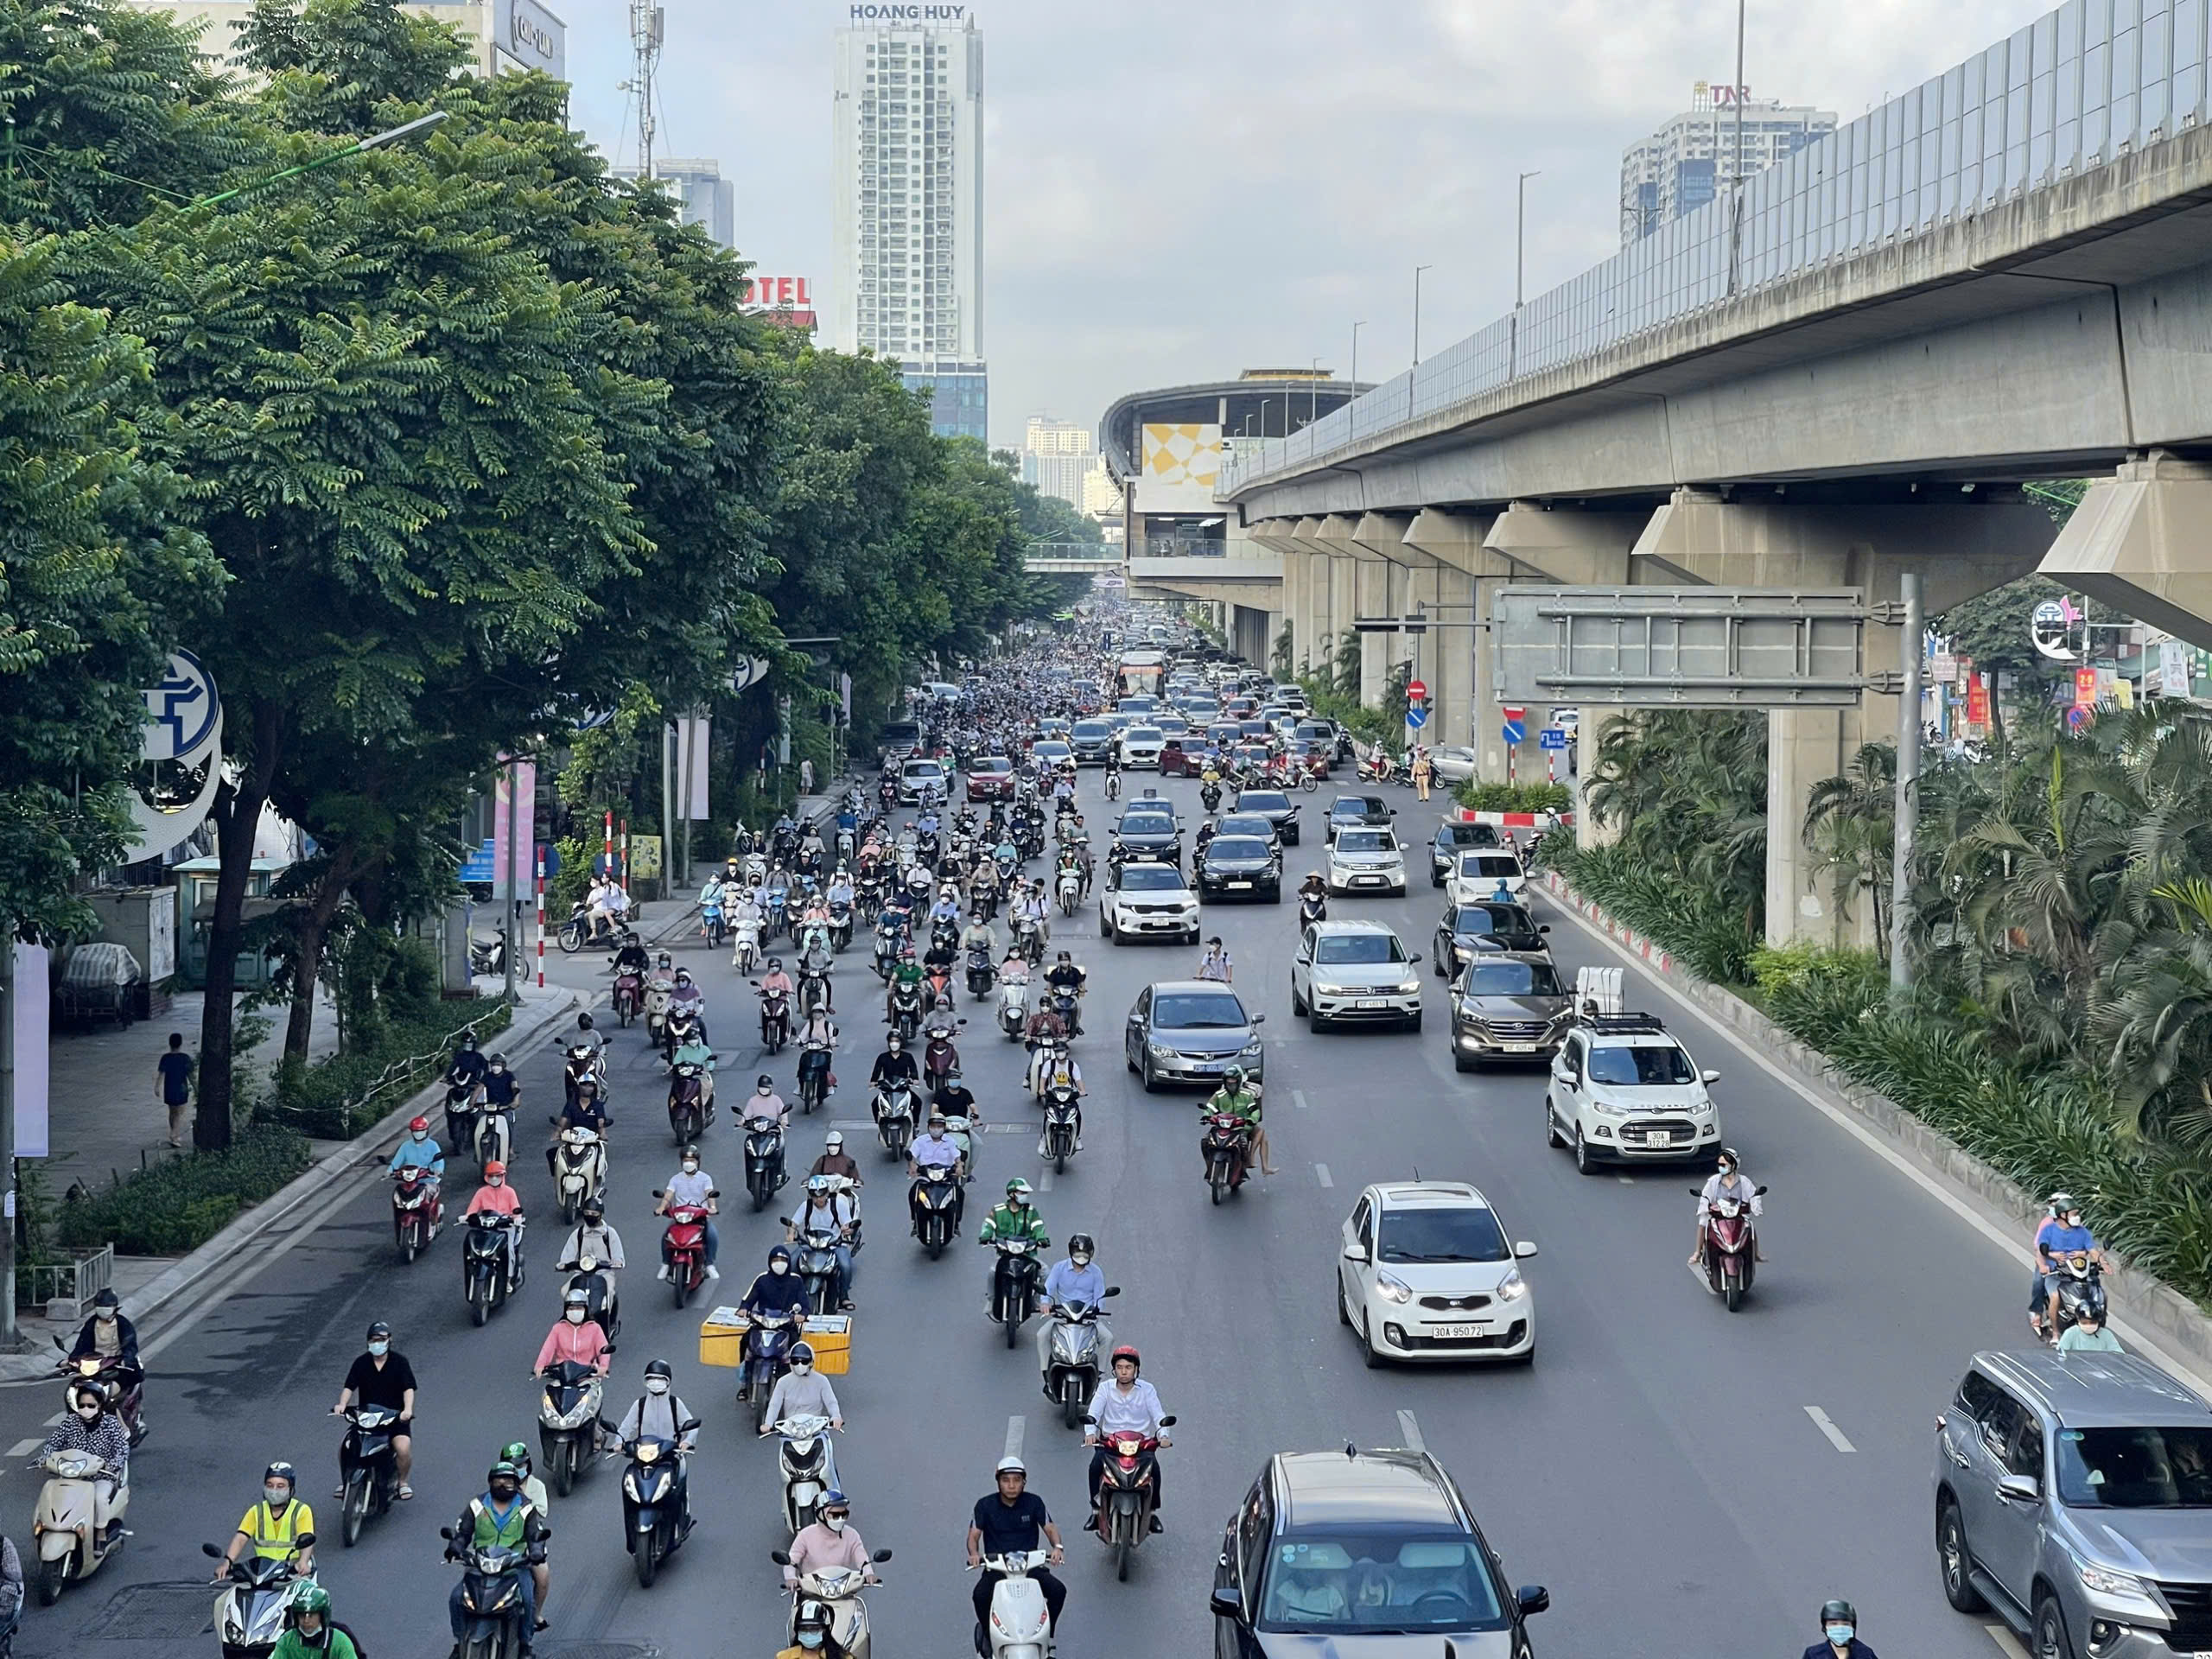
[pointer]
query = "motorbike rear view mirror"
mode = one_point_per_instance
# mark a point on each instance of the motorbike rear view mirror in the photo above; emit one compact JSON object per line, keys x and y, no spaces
{"x":1168,"y":1421}
{"x":210,"y":1549}
{"x":714,"y":1192}
{"x":1113,"y":1290}
{"x":445,"y":1533}
{"x":656,"y":1193}
{"x":1759,"y":1192}
{"x":689,"y":1426}
{"x":305,"y":1541}
{"x":779,"y":1558}
{"x":881,"y":1556}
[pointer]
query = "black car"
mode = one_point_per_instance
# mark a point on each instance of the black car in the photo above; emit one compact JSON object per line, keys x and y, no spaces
{"x":1452,"y":839}
{"x":1237,"y":822}
{"x":1091,"y":740}
{"x":1507,"y":1007}
{"x":1276,"y":808}
{"x":1367,"y":1552}
{"x":1465,"y":932}
{"x":1148,"y":829}
{"x":1350,"y":811}
{"x":1240,"y":867}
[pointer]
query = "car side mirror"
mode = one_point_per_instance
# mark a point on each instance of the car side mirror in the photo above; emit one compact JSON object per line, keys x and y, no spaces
{"x":2019,"y":1489}
{"x":1226,"y":1602}
{"x":1355,"y":1252}
{"x":1533,"y":1598}
{"x":1259,"y":1018}
{"x":1543,"y":927}
{"x":1708,"y":1076}
{"x":1523,"y":1250}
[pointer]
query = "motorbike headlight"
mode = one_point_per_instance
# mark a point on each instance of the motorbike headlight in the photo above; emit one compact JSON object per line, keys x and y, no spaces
{"x":1392,"y":1288}
{"x":1513,"y":1286}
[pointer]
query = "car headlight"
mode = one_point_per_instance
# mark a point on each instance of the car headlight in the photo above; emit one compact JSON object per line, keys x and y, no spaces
{"x":1159,"y":1051}
{"x":1606,"y":1107}
{"x":1251,"y":1050}
{"x":1393,"y":1289}
{"x":1513,"y":1286}
{"x":1408,"y":987}
{"x":2105,"y":1582}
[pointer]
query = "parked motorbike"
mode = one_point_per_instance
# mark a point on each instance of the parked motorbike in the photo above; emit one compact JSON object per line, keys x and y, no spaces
{"x":488,"y":955}
{"x":367,"y":1467}
{"x":896,"y":1109}
{"x":803,"y":1456}
{"x":568,"y":1421}
{"x":484,"y":1264}
{"x":250,"y":1610}
{"x":1227,"y":1146}
{"x":683,"y":1246}
{"x":1128,"y":1487}
{"x":764,"y":1160}
{"x":73,"y":1530}
{"x":1015,"y":1284}
{"x":493,"y":1623}
{"x":1730,"y":1248}
{"x":1071,"y":1365}
{"x":579,"y":1170}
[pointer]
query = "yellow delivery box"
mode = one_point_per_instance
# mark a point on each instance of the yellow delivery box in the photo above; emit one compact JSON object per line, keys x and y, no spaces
{"x":721,"y":1340}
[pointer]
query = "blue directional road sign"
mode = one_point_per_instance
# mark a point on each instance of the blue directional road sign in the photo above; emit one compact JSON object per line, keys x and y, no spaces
{"x":1552,"y":737}
{"x":1416,"y":714}
{"x":1515,"y":731}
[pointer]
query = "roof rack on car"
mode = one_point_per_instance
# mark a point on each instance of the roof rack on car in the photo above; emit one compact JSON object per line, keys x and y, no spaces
{"x":1624,"y":1023}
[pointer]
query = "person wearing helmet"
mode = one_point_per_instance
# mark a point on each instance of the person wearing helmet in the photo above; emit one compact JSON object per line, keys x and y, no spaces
{"x":1839,"y":1634}
{"x":575,"y":1337}
{"x":272,"y":1527}
{"x":830,"y":1542}
{"x":87,"y":1425}
{"x":1125,"y":1404}
{"x":2039,"y":1281}
{"x":2071,"y":1237}
{"x":500,"y":1518}
{"x":779,"y":1290}
{"x":309,"y":1631}
{"x":1727,"y":1181}
{"x":894,"y":1065}
{"x":775,"y":980}
{"x":1015,"y":1218}
{"x":827,"y":1211}
{"x":690,"y":1187}
{"x":836,"y":1160}
{"x":801,"y":1391}
{"x":467,"y":1066}
{"x":1064,"y":975}
{"x":1076,"y":1279}
{"x":1235,"y":1098}
{"x":515,"y":1452}
{"x":1009,"y":1522}
{"x":660,"y":1414}
{"x":594,"y":1236}
{"x":631,"y":957}
{"x":383,"y":1380}
{"x":111,"y":1340}
{"x":419,"y":1149}
{"x":498,"y":1198}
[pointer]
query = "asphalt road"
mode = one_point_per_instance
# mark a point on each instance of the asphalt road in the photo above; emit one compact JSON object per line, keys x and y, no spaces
{"x":1659,"y":1466}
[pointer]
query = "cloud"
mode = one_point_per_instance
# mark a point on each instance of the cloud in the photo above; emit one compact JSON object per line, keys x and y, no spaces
{"x":1176,"y":191}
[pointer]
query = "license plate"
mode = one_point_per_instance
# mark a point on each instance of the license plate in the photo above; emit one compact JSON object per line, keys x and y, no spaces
{"x":1240,"y":887}
{"x":1461,"y":1330}
{"x":1367,"y":881}
{"x":1373,"y":1002}
{"x":1517,"y":1048}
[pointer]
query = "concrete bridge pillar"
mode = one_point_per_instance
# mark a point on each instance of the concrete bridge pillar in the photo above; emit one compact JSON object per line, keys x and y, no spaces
{"x":2141,"y":541}
{"x":1961,"y":548}
{"x":1276,"y":536}
{"x":1457,"y":576}
{"x":1327,"y":587}
{"x":1381,"y":539}
{"x":1366,"y":590}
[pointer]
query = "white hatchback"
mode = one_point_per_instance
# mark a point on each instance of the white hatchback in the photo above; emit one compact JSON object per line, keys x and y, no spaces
{"x":1426,"y":1271}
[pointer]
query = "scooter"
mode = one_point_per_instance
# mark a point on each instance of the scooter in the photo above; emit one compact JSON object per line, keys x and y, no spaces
{"x":768,"y":1340}
{"x":895,"y":1110}
{"x":1312,"y":908}
{"x":804,"y":1457}
{"x":492,"y":1135}
{"x":837,"y":1590}
{"x":629,"y":997}
{"x":579,"y":1170}
{"x":940,"y":1059}
{"x":710,"y":921}
{"x":2080,"y":1291}
{"x":841,"y":927}
{"x":72,"y":1530}
{"x":493,"y":1623}
{"x":1071,"y":891}
{"x":683,"y":1246}
{"x":1127,"y":1486}
{"x":905,"y":1011}
{"x":367,"y":1468}
{"x":1020,"y":1623}
{"x":568,"y":1421}
{"x":764,"y":1160}
{"x":815,"y":1082}
{"x":1227,"y":1147}
{"x":1210,"y":795}
{"x":602,"y":1301}
{"x":1071,"y":1367}
{"x":745,"y":951}
{"x":484,"y":1264}
{"x":1014,"y":1284}
{"x":813,"y":991}
{"x":935,"y":1204}
{"x":415,"y":1210}
{"x":816,"y":1262}
{"x":1730,"y":1248}
{"x":690,"y":1102}
{"x":982,"y":976}
{"x":659,"y":989}
{"x":1013,"y":1005}
{"x":250,"y":1611}
{"x":775,"y":1019}
{"x":1062,"y":1104}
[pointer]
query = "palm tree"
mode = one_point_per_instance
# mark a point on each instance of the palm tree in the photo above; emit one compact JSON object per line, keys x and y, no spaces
{"x":1851,"y":824}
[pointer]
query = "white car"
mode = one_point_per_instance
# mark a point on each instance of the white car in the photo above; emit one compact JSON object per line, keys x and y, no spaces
{"x":1625,"y":1091}
{"x":1366,"y":860}
{"x":1477,"y":873}
{"x":1454,"y":764}
{"x":1426,"y":1271}
{"x":1354,"y":972}
{"x":1148,"y":901}
{"x":916,"y":776}
{"x":1141,"y":746}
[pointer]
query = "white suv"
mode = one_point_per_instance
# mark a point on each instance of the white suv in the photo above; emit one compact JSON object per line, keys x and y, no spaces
{"x":1623,"y":1091}
{"x":1426,"y":1271}
{"x":1354,"y":972}
{"x":1141,"y":746}
{"x":1149,"y":901}
{"x":1366,"y":860}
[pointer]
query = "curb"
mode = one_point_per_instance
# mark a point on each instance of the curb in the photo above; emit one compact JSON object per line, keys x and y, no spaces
{"x":157,"y":1296}
{"x":2150,"y":1311}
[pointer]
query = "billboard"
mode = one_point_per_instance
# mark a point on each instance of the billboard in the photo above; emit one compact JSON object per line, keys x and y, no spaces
{"x":533,"y":36}
{"x":785,"y":302}
{"x":1181,"y":463}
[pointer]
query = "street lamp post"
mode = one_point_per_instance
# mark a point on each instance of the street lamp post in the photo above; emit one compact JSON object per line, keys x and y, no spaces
{"x":1414,"y":373}
{"x":1313,"y":391}
{"x":1520,"y":269}
{"x":1356,"y":328}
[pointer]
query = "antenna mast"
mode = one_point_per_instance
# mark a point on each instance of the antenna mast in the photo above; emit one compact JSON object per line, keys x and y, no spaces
{"x":647,"y":23}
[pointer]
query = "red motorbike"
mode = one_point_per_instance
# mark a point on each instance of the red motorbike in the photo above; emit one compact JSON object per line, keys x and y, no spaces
{"x":416,"y":1210}
{"x":683,"y":1246}
{"x":1732,"y":1252}
{"x":629,"y":997}
{"x":940,"y":1059}
{"x":1227,"y":1147}
{"x":1127,"y":1492}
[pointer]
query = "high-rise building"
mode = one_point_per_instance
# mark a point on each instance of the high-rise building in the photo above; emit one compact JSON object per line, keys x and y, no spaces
{"x":1102,"y":496}
{"x":907,"y":129}
{"x":1055,"y":455}
{"x":703,"y":197}
{"x":1693,"y":158}
{"x":509,"y":34}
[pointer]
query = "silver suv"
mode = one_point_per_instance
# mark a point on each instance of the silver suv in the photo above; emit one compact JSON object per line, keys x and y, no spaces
{"x":2073,"y":1499}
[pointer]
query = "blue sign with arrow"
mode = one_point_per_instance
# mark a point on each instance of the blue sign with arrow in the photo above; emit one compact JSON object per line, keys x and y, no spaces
{"x":1416,"y":714}
{"x":1552,"y":737}
{"x":1515,"y":731}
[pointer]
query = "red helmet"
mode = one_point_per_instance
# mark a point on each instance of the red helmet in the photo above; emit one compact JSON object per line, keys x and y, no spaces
{"x":417,"y":1125}
{"x":1125,"y":1351}
{"x":495,"y":1167}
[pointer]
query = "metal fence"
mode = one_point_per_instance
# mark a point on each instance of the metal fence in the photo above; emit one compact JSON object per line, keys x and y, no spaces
{"x":39,"y":1283}
{"x":2077,"y":88}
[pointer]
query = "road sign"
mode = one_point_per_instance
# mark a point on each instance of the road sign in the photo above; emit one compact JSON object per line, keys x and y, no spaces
{"x":1514,"y":732}
{"x":1516,"y":714}
{"x":1552,"y":737}
{"x":1416,"y":692}
{"x":751,"y":671}
{"x":1416,"y":714}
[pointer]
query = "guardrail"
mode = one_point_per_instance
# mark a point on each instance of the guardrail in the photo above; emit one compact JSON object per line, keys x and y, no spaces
{"x":38,"y":1284}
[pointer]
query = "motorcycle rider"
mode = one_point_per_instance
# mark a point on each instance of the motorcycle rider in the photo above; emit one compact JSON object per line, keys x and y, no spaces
{"x":836,"y":1160}
{"x":1216,"y":964}
{"x":89,"y":1425}
{"x":1839,"y":1634}
{"x":827,"y":1211}
{"x":501,"y":1515}
{"x":496,"y":1197}
{"x":1125,"y":1404}
{"x":594,"y":1236}
{"x":631,"y":958}
{"x":938,"y":1150}
{"x":1074,"y":1279}
{"x":816,"y":961}
{"x":692,"y":1186}
{"x":1061,"y":1068}
{"x":894,"y":1065}
{"x":1064,"y":975}
{"x":2089,"y":1331}
{"x":979,"y":935}
{"x":515,"y":1452}
{"x":831,"y":1542}
{"x":801,"y":1391}
{"x":775,"y":980}
{"x":384,"y":1381}
{"x":779,"y":1290}
{"x":2066,"y":1239}
{"x":1013,"y":1219}
{"x":312,"y":1634}
{"x":111,"y":1340}
{"x":904,"y":985}
{"x":575,"y":1337}
{"x":502,"y":1089}
{"x":419,"y":1149}
{"x":658,"y":1413}
{"x":1007,"y":1521}
{"x":586,"y":1111}
{"x":1727,"y":1181}
{"x":272,"y":1527}
{"x":468,"y":1065}
{"x":1233,"y":1099}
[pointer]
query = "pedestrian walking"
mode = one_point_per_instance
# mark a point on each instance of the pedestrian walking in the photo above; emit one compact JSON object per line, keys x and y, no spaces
{"x":806,"y":777}
{"x":173,"y":1086}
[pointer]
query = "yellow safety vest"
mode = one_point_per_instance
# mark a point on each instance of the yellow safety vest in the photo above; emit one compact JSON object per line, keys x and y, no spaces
{"x":274,"y":1534}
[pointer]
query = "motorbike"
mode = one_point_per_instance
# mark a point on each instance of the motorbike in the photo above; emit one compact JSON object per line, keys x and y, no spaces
{"x":982,"y":975}
{"x":1072,"y":1364}
{"x":775,"y":1019}
{"x":1312,"y":908}
{"x":366,"y":1468}
{"x":129,"y":1403}
{"x":1020,"y":1623}
{"x":1377,"y":769}
{"x":1113,"y":782}
{"x":684,"y":1246}
{"x":72,"y":1530}
{"x":461,"y":1111}
{"x":905,"y":1011}
{"x":658,"y":990}
{"x":583,"y":1063}
{"x":690,"y":1101}
{"x":250,"y":1610}
{"x":813,"y":990}
{"x":837,"y":1590}
{"x":1014,"y":1284}
{"x":579,"y":1170}
{"x":574,"y":932}
{"x":767,"y":1356}
{"x":568,"y":1421}
{"x":896,"y":1109}
{"x":886,"y":950}
{"x":815,"y":1261}
{"x":1067,"y":1004}
{"x":1061,"y":1105}
{"x":2081,"y":1290}
{"x":1227,"y":1146}
{"x":1126,"y":1490}
{"x":684,"y":1027}
{"x":764,"y":1160}
{"x":484,"y":1264}
{"x":493,"y":1623}
{"x":804,"y":1457}
{"x":1210,"y":795}
{"x":414,"y":1211}
{"x":629,"y":996}
{"x":1013,"y":1005}
{"x":937,"y":988}
{"x":940,"y":1059}
{"x":1730,"y":1248}
{"x":602,"y":1302}
{"x":1029,"y":940}
{"x":1071,"y":891}
{"x":488,"y":955}
{"x":841,"y":927}
{"x":934,"y":1203}
{"x":814,"y":1078}
{"x":711,"y":923}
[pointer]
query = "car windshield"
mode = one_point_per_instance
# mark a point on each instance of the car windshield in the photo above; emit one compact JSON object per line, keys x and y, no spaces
{"x":1147,"y":823}
{"x":1468,"y":835}
{"x":1511,"y":979}
{"x":1244,"y":823}
{"x":1054,"y":747}
{"x":1364,"y":841}
{"x":1198,"y":1011}
{"x":1644,"y":1063}
{"x":1236,"y":847}
{"x":1490,"y":866}
{"x":1262,"y":800}
{"x":1505,"y":921}
{"x":1374,"y":1585}
{"x":1426,"y":1235}
{"x":997,"y":763}
{"x":2135,"y":1468}
{"x":920,"y":769}
{"x":1344,"y":949}
{"x":1149,"y":878}
{"x":1094,"y":729}
{"x":1357,"y":806}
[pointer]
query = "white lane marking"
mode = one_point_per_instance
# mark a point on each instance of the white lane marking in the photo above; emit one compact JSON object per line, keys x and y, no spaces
{"x":1625,"y":1180}
{"x":1411,"y":1430}
{"x":1321,"y":1174}
{"x":52,"y":1420}
{"x":2006,"y":1641}
{"x":1044,"y":1181}
{"x":1015,"y":1428}
{"x":1827,"y":1426}
{"x":1298,"y":1098}
{"x":24,"y":1448}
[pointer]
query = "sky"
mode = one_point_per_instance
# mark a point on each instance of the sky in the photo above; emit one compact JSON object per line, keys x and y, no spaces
{"x":1179,"y":190}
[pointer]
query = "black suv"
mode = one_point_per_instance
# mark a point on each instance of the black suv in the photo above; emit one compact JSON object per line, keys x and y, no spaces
{"x":1359,"y":812}
{"x":1148,"y":829}
{"x":1376,"y":1551}
{"x":1454,"y":839}
{"x":1465,"y":932}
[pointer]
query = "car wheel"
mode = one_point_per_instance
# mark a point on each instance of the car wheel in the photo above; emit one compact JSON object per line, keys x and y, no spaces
{"x":1461,"y":1063}
{"x":1343,"y":1314}
{"x":1954,"y":1558}
{"x":2049,"y":1637}
{"x":1583,"y":1163}
{"x":1551,"y":1125}
{"x":1369,"y":1355}
{"x":1434,"y":879}
{"x":1314,"y":1023}
{"x":1151,"y":1083}
{"x":1105,"y":927}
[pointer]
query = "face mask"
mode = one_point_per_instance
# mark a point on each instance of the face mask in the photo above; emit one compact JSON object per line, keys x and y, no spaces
{"x":1840,"y":1634}
{"x":780,"y":1268}
{"x":105,"y":1316}
{"x":656,"y":1385}
{"x":497,"y":1070}
{"x":88,"y":1412}
{"x":379,"y":1348}
{"x":277,"y":1496}
{"x":835,"y":1523}
{"x":495,"y":1180}
{"x":810,"y":1638}
{"x":801,"y":1367}
{"x":1080,"y":1260}
{"x":1727,"y":1172}
{"x":576,"y":1316}
{"x":690,"y":1165}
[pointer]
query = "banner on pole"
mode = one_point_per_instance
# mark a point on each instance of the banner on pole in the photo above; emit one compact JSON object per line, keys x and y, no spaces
{"x":693,"y":746}
{"x":512,"y":863}
{"x":31,"y":1024}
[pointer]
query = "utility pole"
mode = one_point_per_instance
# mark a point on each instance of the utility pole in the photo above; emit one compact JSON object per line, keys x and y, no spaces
{"x":513,"y":879}
{"x":1313,"y":391}
{"x":1356,"y":328}
{"x":1414,"y":373}
{"x":11,"y":1341}
{"x":1520,"y":268}
{"x":1910,"y":647}
{"x":1736,"y":167}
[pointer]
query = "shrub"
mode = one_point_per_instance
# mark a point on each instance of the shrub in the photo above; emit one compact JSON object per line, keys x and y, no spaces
{"x":169,"y":1207}
{"x":336,"y":1098}
{"x":1701,"y":927}
{"x":1478,"y":797}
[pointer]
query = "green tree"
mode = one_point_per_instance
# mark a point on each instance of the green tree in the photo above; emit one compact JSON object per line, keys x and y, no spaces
{"x":1851,"y":825}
